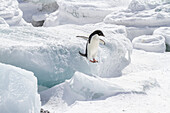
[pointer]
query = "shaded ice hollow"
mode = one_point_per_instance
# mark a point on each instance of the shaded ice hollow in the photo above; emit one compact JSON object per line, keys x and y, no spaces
{"x":18,"y":91}
{"x":36,"y":11}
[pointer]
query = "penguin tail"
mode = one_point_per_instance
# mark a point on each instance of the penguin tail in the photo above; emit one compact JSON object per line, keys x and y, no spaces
{"x":84,"y":55}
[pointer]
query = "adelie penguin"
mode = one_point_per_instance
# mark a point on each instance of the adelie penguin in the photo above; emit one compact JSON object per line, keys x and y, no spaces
{"x":92,"y":45}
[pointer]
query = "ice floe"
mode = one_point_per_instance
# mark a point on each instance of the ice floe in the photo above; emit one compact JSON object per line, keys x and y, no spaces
{"x":18,"y":91}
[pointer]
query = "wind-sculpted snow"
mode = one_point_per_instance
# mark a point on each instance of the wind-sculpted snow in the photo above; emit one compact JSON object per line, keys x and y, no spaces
{"x":158,"y":16}
{"x":151,"y":43}
{"x":164,"y":31}
{"x":142,"y":21}
{"x":83,"y":11}
{"x":52,"y":53}
{"x":10,"y":12}
{"x":18,"y":91}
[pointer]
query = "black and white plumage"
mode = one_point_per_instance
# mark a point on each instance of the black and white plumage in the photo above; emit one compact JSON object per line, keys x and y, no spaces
{"x":92,"y":45}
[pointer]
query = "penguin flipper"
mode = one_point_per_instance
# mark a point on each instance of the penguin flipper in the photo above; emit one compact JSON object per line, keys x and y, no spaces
{"x":102,"y":42}
{"x":84,"y":37}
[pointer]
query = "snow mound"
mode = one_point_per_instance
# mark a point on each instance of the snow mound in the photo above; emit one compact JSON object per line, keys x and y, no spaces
{"x":158,"y":16}
{"x":18,"y":91}
{"x":85,"y":87}
{"x":53,"y":53}
{"x":151,"y":43}
{"x":83,"y":12}
{"x":164,"y":31}
{"x":10,"y":12}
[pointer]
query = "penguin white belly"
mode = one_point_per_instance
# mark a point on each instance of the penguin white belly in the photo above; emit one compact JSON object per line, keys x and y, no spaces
{"x":93,"y":48}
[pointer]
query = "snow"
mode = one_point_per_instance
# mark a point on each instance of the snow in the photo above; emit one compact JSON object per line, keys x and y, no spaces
{"x":83,"y":12}
{"x":36,"y":11}
{"x":84,"y":87}
{"x":151,"y":43}
{"x":122,"y":81}
{"x":11,"y":14}
{"x":140,"y":5}
{"x":152,"y":18}
{"x":52,"y":53}
{"x":143,"y":87}
{"x":164,"y":31}
{"x":18,"y":91}
{"x":141,"y":17}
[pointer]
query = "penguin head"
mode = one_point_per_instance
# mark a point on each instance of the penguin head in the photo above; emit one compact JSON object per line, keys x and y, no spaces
{"x":97,"y":32}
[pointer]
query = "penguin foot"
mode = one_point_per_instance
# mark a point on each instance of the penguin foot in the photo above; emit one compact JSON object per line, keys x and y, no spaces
{"x":94,"y":61}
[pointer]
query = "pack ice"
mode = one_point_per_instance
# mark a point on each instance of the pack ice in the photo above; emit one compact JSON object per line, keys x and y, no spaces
{"x":83,"y":11}
{"x":53,"y":53}
{"x":10,"y":13}
{"x":18,"y":91}
{"x":141,"y":17}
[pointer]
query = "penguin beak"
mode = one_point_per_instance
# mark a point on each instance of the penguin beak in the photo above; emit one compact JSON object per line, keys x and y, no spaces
{"x":102,"y":35}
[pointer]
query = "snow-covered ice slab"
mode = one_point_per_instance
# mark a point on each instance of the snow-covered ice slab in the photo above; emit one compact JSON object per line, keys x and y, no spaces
{"x":81,"y":87}
{"x":164,"y":31}
{"x":83,"y":11}
{"x":158,"y":16}
{"x":18,"y":91}
{"x":10,"y":12}
{"x":53,"y":53}
{"x":84,"y":87}
{"x":151,"y":43}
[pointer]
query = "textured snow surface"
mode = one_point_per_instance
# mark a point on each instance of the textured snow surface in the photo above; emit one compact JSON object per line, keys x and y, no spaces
{"x":151,"y":43}
{"x":143,"y":87}
{"x":164,"y":31}
{"x":18,"y":91}
{"x":83,"y":11}
{"x":52,"y":53}
{"x":11,"y":14}
{"x":140,"y":5}
{"x":142,"y":17}
{"x":158,"y":16}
